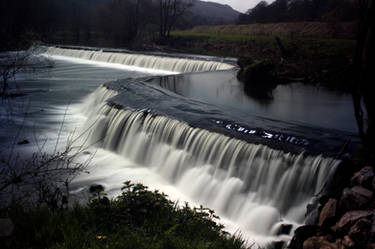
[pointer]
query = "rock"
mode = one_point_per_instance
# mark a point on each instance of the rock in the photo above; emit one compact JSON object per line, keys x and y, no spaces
{"x":360,"y":231}
{"x":341,"y":178}
{"x":301,"y":234}
{"x":364,"y":177}
{"x":348,"y":242}
{"x":362,"y":192}
{"x":259,"y":80}
{"x":328,"y":213}
{"x":6,"y":227}
{"x":284,"y":229}
{"x":323,"y":199}
{"x":312,"y":217}
{"x":321,"y":243}
{"x":312,"y":210}
{"x":355,"y":198}
{"x":244,"y":61}
{"x":278,"y":244}
{"x":349,"y":219}
{"x":254,"y":72}
{"x":257,"y":72}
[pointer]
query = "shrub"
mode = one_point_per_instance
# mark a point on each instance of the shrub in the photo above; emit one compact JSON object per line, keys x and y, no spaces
{"x":138,"y":218}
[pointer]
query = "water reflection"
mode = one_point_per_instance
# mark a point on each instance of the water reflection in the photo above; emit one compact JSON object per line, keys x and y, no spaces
{"x":295,"y":103}
{"x":283,"y":137}
{"x":263,"y":94}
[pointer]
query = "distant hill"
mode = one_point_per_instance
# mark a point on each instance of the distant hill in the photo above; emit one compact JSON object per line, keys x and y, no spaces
{"x":210,"y":13}
{"x":201,"y":13}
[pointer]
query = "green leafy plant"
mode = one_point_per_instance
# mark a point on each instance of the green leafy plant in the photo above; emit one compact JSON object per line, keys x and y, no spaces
{"x":138,"y":218}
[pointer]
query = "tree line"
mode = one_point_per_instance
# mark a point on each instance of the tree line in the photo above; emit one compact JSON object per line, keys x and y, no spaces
{"x":89,"y":22}
{"x":300,"y":10}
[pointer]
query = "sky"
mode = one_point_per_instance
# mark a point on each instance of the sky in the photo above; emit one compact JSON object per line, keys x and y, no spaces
{"x":240,"y":5}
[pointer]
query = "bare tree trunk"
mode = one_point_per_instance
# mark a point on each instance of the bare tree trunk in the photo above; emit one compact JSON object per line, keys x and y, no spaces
{"x":5,"y":86}
{"x":136,"y":21}
{"x":170,"y":11}
{"x":358,"y":113}
{"x":161,"y":10}
{"x":365,"y":57}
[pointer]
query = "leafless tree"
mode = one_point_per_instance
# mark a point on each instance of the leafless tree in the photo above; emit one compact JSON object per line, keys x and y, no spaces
{"x":13,"y":62}
{"x":44,"y":177}
{"x":365,"y":57}
{"x":10,"y":64}
{"x":170,"y":11}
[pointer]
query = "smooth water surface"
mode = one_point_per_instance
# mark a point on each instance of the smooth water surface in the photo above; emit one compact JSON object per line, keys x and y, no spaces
{"x":51,"y":97}
{"x":298,"y":103}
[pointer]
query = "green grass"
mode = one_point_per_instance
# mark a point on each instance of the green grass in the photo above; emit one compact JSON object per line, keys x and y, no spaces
{"x":316,"y":46}
{"x":138,"y":218}
{"x":220,"y":38}
{"x":313,"y":60}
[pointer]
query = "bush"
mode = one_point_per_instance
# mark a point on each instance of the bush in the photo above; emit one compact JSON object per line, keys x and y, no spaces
{"x":138,"y":218}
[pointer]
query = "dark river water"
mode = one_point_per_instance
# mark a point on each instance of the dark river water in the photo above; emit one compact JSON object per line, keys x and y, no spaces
{"x":296,"y":103}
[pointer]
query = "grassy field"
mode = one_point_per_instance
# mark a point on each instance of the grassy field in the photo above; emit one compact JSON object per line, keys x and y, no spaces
{"x":341,"y":30}
{"x":313,"y":60}
{"x":253,"y":43}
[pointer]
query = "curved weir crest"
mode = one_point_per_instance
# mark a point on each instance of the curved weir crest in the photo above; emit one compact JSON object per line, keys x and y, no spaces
{"x":253,"y":187}
{"x":256,"y":187}
{"x":168,"y":64}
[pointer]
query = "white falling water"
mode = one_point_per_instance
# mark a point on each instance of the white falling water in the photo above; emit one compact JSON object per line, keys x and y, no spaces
{"x":170,"y":64}
{"x":251,"y":185}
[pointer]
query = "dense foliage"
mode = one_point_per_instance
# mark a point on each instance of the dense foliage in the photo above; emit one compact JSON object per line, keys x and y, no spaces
{"x":300,"y":10}
{"x":138,"y":218}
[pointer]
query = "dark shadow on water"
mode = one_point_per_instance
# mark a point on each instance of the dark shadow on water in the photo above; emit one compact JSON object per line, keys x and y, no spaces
{"x":263,"y":94}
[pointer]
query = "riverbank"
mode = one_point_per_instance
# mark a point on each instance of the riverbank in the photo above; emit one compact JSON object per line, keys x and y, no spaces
{"x":345,"y":217}
{"x":318,"y":61}
{"x":313,"y":53}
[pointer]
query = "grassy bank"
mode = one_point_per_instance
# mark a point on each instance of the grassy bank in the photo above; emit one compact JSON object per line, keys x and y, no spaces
{"x":312,"y":60}
{"x":138,"y":218}
{"x":341,"y":30}
{"x":257,"y":43}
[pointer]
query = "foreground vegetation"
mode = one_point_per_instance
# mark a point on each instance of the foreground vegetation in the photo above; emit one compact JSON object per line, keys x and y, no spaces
{"x":138,"y":218}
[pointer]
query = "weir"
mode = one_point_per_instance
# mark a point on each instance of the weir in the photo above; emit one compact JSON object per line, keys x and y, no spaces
{"x":171,"y":64}
{"x":255,"y":172}
{"x":266,"y":176}
{"x":254,"y":186}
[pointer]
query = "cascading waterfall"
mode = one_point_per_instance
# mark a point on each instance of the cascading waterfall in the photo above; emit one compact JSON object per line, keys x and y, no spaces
{"x":170,"y":64}
{"x":252,"y":185}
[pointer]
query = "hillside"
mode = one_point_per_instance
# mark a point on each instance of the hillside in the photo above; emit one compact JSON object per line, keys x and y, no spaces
{"x":210,"y":13}
{"x":201,"y":13}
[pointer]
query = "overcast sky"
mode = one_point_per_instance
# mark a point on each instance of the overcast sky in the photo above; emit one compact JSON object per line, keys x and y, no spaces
{"x":240,"y":5}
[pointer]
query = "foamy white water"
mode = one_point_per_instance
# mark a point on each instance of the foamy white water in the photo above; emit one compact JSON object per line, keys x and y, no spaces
{"x":253,"y":188}
{"x":137,"y":61}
